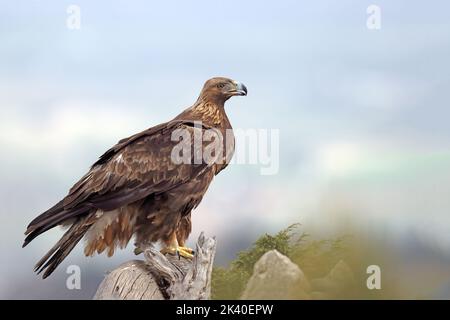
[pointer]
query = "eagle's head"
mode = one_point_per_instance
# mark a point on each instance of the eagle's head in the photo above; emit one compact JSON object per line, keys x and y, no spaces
{"x":221,"y":89}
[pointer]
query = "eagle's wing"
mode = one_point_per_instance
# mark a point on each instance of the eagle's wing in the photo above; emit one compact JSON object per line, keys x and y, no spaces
{"x":133,"y":169}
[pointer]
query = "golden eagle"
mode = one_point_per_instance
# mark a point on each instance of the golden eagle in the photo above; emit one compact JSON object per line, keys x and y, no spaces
{"x":137,"y":189}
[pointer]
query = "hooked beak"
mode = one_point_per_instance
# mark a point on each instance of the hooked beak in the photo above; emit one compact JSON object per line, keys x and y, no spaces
{"x":239,"y":90}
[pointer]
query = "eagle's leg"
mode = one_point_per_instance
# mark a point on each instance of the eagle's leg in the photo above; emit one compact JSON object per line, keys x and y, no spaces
{"x":172,"y":247}
{"x":183,"y":231}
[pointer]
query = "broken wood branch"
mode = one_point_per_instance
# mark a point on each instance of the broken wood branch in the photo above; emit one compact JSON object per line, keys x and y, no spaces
{"x":161,"y":276}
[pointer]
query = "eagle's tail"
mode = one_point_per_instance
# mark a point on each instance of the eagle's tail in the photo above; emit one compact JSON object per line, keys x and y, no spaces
{"x":62,"y":248}
{"x":50,"y":219}
{"x":53,"y":217}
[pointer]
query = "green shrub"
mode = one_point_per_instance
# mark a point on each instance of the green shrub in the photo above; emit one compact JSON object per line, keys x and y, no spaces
{"x":314,"y":257}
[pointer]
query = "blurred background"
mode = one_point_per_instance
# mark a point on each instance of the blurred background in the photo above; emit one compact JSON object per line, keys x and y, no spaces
{"x":363,"y":118}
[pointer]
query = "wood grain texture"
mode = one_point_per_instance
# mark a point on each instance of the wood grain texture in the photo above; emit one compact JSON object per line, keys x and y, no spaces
{"x":162,"y":276}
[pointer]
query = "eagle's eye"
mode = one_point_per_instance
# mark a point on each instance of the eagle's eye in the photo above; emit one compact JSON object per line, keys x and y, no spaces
{"x":221,"y":85}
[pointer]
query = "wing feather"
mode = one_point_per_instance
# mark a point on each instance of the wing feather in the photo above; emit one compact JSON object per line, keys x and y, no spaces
{"x":133,"y":169}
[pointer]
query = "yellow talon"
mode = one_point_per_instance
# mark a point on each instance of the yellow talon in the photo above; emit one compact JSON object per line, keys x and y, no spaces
{"x":180,"y":251}
{"x":186,"y":252}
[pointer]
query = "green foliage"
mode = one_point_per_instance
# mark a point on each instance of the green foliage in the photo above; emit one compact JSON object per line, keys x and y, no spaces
{"x":314,"y":257}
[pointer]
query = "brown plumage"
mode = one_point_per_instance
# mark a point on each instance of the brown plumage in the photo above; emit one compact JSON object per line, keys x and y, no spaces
{"x":136,"y":189}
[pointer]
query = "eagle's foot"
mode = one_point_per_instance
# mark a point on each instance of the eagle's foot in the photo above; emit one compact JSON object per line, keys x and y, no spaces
{"x":187,"y":252}
{"x":179,"y":251}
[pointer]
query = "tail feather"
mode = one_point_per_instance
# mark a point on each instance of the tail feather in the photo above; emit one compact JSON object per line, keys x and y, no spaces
{"x":49,"y":220}
{"x":62,"y":248}
{"x":53,"y":210}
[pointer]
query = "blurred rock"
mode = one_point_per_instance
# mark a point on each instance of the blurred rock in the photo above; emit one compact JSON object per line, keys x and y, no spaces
{"x":275,"y":276}
{"x":339,"y":283}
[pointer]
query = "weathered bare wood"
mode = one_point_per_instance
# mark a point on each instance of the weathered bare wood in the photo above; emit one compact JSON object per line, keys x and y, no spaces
{"x":162,"y":276}
{"x":130,"y":281}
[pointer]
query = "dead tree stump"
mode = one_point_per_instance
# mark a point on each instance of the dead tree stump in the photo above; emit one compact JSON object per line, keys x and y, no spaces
{"x":162,"y":276}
